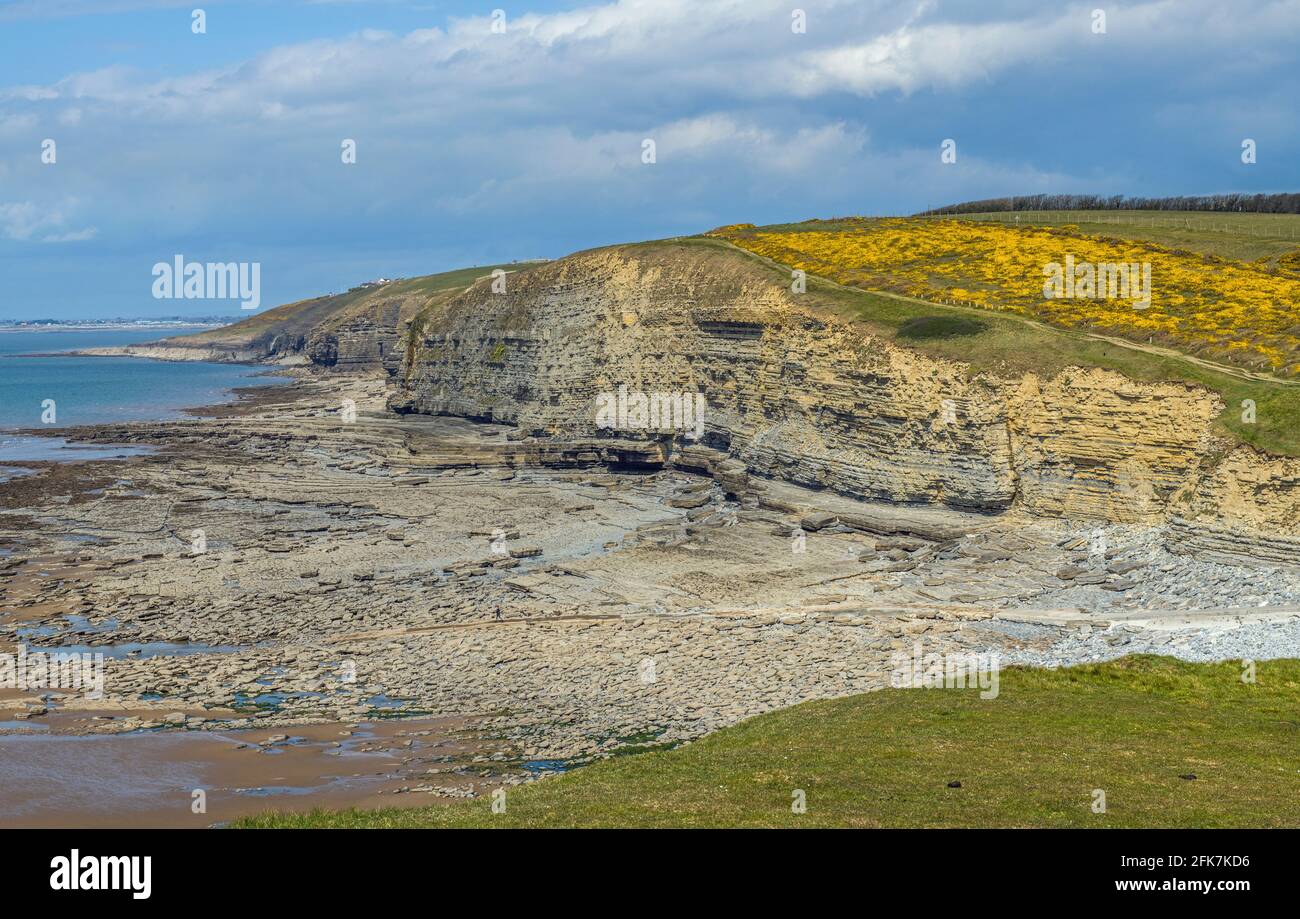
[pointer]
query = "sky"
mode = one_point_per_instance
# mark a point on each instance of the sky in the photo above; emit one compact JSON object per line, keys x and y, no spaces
{"x":485,"y":136}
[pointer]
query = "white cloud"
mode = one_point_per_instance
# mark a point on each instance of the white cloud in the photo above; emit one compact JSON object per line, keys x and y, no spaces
{"x":75,"y":236}
{"x":641,"y":50}
{"x":26,"y":220}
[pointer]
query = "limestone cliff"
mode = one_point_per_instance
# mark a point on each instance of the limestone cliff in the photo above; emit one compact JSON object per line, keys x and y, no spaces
{"x":367,"y":330}
{"x":795,"y":394}
{"x":364,"y":336}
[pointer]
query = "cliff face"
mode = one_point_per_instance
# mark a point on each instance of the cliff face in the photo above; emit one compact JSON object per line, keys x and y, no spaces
{"x":363,"y":338}
{"x":1247,"y":504}
{"x":797,"y":396}
{"x":279,"y":335}
{"x":1093,"y":443}
{"x":367,"y":329}
{"x":791,"y":395}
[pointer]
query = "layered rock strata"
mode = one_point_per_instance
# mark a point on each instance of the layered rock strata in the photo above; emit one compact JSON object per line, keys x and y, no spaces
{"x":798,"y":396}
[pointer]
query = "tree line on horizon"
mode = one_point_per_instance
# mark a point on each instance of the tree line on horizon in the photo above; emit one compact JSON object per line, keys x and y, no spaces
{"x":1287,"y":203}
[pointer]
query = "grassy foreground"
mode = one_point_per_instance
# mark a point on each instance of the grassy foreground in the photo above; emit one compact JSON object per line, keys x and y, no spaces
{"x":1136,"y":728}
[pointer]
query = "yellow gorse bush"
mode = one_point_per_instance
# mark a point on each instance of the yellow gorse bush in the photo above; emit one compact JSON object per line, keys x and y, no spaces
{"x":1237,"y":312}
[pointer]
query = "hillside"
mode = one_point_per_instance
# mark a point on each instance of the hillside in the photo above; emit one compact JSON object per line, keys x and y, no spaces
{"x":1222,"y":309}
{"x":357,"y":329}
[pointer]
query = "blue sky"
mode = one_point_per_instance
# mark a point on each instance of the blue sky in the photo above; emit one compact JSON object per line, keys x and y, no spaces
{"x":478,"y":146}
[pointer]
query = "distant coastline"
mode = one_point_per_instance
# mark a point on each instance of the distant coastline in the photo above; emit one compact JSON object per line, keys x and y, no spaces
{"x":47,"y":383}
{"x":107,"y":325}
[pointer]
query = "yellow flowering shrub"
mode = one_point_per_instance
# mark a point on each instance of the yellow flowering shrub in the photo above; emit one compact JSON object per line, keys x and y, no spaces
{"x":1290,"y":263}
{"x":1236,"y":312}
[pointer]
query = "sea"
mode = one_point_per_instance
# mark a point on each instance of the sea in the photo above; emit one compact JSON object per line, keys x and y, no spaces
{"x":35,"y":368}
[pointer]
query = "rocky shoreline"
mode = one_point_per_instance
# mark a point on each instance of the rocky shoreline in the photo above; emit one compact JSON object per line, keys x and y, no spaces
{"x":185,"y":354}
{"x":280,"y":562}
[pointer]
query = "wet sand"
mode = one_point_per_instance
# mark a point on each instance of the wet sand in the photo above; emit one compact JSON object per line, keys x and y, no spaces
{"x":57,"y":770}
{"x":150,"y":779}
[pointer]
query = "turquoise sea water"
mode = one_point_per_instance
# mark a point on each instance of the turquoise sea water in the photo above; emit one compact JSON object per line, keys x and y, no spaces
{"x":99,"y":390}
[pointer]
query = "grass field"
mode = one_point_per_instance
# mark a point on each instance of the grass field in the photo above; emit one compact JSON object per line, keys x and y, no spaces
{"x":458,"y":279}
{"x":1247,"y":237}
{"x":1138,"y":729}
